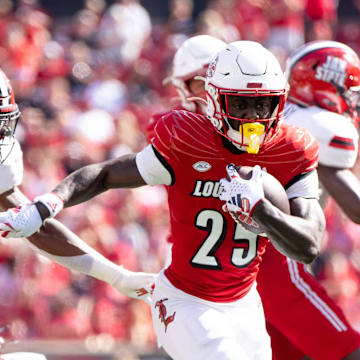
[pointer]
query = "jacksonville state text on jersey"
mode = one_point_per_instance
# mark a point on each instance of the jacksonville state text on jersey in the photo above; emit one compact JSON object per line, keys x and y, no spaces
{"x":213,"y":257}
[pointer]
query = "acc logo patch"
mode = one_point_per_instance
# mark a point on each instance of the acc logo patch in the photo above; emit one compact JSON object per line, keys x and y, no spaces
{"x":202,"y":166}
{"x":212,"y":67}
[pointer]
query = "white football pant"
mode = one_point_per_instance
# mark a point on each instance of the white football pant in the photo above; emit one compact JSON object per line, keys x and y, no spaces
{"x":192,"y":328}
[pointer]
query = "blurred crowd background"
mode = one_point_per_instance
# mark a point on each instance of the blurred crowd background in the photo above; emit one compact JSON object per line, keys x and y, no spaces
{"x":87,"y":75}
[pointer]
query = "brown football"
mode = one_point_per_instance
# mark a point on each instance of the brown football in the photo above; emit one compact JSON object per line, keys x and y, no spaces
{"x":273,"y":190}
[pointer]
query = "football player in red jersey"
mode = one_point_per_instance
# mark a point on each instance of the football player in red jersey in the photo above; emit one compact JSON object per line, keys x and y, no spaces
{"x":205,"y":304}
{"x":54,"y":240}
{"x":312,"y":305}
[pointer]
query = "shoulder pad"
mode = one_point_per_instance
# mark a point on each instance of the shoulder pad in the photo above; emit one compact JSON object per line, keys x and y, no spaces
{"x":186,"y":133}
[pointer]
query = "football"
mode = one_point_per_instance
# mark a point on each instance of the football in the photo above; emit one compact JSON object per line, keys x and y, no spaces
{"x":273,"y":190}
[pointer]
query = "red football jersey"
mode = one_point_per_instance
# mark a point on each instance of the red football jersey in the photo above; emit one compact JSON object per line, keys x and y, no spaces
{"x":150,"y":128}
{"x":213,"y":257}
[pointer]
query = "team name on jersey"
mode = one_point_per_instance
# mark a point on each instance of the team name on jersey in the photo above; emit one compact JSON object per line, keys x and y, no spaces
{"x":206,"y":188}
{"x":333,"y":70}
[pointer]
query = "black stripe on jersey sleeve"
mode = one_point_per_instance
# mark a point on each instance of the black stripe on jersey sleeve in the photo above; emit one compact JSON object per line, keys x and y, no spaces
{"x":297,"y":178}
{"x":165,"y":164}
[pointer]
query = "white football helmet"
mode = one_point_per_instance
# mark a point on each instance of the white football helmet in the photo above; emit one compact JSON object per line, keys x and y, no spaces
{"x":245,"y":68}
{"x":191,"y":59}
{"x":9,"y":116}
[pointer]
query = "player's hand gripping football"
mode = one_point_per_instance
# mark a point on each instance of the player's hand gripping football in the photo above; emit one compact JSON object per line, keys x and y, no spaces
{"x":22,"y":221}
{"x":241,"y":195}
{"x":137,"y":285}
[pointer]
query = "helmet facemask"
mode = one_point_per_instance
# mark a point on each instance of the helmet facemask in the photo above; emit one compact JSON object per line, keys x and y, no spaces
{"x":251,"y":132}
{"x":8,"y":124}
{"x":246,"y":93}
{"x":9,"y":116}
{"x":350,"y":98}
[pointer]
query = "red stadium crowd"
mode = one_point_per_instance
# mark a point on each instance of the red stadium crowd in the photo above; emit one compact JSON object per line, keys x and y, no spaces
{"x":86,"y":87}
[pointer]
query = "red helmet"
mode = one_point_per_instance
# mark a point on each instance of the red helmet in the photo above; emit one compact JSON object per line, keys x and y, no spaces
{"x":326,"y":74}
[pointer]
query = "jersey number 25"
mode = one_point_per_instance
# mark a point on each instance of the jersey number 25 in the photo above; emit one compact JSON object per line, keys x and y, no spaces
{"x":216,"y":225}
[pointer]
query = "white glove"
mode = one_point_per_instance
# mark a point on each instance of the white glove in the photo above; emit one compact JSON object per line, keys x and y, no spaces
{"x":137,"y":285}
{"x":22,"y":221}
{"x":240,"y":195}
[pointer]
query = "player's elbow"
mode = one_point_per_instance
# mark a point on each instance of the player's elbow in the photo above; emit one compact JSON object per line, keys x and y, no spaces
{"x":350,"y":205}
{"x":311,"y":248}
{"x":305,"y":253}
{"x":312,"y":241}
{"x":310,"y":254}
{"x":354,"y":215}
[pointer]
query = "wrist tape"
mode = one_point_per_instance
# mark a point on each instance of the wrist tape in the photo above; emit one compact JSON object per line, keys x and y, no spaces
{"x":53,"y":202}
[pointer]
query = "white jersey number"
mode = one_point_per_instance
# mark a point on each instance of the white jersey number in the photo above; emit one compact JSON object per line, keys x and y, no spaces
{"x":216,"y":225}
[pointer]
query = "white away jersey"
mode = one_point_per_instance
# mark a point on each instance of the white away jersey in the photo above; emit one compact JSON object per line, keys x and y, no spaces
{"x":336,"y":134}
{"x":11,"y":170}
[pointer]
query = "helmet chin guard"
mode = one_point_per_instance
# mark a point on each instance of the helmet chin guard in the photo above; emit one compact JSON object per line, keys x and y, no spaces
{"x":245,"y":69}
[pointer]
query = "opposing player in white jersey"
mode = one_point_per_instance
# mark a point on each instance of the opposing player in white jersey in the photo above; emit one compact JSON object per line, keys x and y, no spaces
{"x":205,"y":304}
{"x":325,"y":90}
{"x":54,"y":240}
{"x":324,"y":78}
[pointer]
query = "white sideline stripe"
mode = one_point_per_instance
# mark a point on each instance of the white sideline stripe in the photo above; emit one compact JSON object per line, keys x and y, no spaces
{"x":313,"y":297}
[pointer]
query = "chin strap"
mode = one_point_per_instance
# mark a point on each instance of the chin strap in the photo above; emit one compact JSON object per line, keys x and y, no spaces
{"x":167,"y":80}
{"x":198,"y":77}
{"x":196,"y":98}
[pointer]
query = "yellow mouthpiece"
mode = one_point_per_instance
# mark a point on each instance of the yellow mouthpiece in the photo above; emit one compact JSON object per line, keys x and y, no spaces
{"x":253,"y":131}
